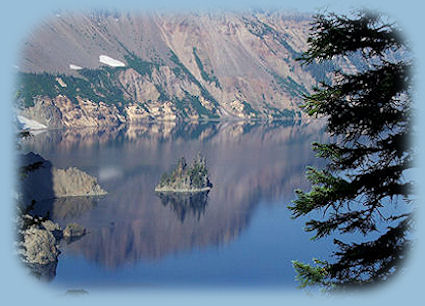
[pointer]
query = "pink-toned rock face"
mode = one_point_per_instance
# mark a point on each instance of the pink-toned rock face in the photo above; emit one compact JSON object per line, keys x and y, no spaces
{"x":227,"y":65}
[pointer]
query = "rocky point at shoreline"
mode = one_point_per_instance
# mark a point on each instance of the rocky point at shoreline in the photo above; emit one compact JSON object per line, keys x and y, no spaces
{"x":38,"y":237}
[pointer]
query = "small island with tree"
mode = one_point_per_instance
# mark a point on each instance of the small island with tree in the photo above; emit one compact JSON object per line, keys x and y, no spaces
{"x":186,"y":178}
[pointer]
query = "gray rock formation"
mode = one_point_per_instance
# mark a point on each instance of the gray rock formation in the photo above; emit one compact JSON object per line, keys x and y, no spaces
{"x":51,"y":226}
{"x":38,"y":243}
{"x":39,"y":237}
{"x":45,"y":113}
{"x":74,"y":182}
{"x":39,"y":246}
{"x":43,"y":181}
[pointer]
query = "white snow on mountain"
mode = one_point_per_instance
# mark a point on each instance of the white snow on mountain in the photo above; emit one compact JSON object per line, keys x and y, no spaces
{"x":30,"y":124}
{"x":104,"y":59}
{"x":74,"y":67}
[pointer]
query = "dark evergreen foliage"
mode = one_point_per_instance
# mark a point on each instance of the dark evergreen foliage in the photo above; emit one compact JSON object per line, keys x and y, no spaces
{"x":94,"y":84}
{"x":207,"y":76}
{"x":187,"y":177}
{"x":364,"y":187}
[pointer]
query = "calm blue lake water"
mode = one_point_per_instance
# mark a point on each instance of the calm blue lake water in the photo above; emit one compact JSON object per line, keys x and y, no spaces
{"x":241,"y":234}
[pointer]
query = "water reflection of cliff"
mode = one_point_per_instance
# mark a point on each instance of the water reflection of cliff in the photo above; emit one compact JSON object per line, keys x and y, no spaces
{"x":65,"y":208}
{"x":247,"y":162}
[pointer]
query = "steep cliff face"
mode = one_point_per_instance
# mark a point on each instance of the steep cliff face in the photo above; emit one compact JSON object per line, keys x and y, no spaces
{"x":106,"y":68}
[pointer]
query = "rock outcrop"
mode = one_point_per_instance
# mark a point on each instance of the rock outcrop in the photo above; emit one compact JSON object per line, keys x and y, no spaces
{"x":186,"y":178}
{"x":41,"y":181}
{"x":74,"y":182}
{"x":44,"y":112}
{"x":61,"y":112}
{"x":40,"y":246}
{"x":38,"y":242}
{"x":53,"y":228}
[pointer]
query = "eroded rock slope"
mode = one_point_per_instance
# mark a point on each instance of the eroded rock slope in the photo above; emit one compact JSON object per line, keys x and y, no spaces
{"x":107,"y":68}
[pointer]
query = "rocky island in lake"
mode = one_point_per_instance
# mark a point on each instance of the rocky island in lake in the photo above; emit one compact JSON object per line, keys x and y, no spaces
{"x":186,"y":178}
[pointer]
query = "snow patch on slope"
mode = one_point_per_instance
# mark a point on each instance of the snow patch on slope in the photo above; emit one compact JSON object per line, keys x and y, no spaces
{"x":104,"y":59}
{"x":74,"y":67}
{"x":61,"y":82}
{"x":30,"y":124}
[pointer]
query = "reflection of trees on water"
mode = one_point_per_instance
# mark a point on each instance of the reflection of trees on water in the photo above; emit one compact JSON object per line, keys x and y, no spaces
{"x":183,"y":203}
{"x":68,"y":208}
{"x":154,"y":132}
{"x":249,"y":163}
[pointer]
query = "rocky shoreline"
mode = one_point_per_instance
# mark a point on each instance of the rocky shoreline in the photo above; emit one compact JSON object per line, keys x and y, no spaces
{"x":41,"y":181}
{"x":38,"y":242}
{"x":38,"y":237}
